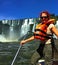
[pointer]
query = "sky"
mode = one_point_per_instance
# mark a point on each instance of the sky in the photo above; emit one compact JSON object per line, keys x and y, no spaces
{"x":20,"y":9}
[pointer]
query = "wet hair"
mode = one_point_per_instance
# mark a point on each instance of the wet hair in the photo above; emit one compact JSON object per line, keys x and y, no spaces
{"x":46,"y":12}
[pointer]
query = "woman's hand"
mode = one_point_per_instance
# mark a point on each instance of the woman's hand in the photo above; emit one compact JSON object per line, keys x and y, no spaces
{"x":22,"y":42}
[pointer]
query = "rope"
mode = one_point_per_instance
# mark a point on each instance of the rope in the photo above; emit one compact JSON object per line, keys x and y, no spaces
{"x":16,"y":55}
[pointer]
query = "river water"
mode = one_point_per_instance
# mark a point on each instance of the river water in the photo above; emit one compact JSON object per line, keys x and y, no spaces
{"x":9,"y":49}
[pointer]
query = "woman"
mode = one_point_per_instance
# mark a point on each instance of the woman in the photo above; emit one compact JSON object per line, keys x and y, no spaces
{"x":44,"y":32}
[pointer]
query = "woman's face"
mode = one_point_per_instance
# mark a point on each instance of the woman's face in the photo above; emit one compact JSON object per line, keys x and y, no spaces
{"x":44,"y":17}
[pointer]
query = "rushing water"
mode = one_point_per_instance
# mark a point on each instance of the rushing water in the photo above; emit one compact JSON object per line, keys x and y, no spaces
{"x":8,"y":51}
{"x":12,"y":30}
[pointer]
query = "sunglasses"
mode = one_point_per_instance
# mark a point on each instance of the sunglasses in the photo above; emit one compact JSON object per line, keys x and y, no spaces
{"x":44,"y":17}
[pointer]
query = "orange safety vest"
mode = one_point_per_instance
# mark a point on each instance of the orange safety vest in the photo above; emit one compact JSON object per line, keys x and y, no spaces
{"x":41,"y":29}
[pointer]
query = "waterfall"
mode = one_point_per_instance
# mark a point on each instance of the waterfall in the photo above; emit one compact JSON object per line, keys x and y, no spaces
{"x":24,"y":28}
{"x":57,"y":28}
{"x":56,"y":24}
{"x":15,"y":29}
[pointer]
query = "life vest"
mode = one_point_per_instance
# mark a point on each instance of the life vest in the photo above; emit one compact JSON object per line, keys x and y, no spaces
{"x":41,"y":29}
